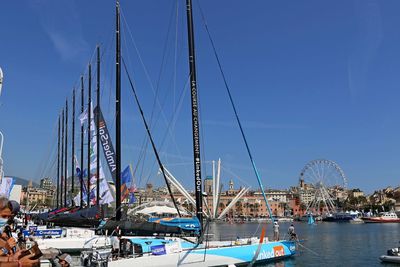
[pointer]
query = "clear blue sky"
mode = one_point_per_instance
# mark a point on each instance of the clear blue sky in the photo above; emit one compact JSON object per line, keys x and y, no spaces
{"x":311,"y":79}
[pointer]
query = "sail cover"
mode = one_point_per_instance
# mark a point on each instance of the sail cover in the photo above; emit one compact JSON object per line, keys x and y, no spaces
{"x":141,"y":228}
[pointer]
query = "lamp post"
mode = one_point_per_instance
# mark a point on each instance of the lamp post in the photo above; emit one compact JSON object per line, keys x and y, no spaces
{"x":1,"y":134}
{"x":1,"y":159}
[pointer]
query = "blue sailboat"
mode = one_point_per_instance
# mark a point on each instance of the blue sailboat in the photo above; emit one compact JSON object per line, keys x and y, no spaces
{"x":311,"y":220}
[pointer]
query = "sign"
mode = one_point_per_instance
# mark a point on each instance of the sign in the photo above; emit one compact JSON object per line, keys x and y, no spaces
{"x":158,"y":250}
{"x":33,"y":228}
{"x":108,"y":148}
{"x":47,"y":232}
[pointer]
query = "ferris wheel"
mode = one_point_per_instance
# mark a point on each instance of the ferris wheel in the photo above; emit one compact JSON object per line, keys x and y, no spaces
{"x":321,"y":178}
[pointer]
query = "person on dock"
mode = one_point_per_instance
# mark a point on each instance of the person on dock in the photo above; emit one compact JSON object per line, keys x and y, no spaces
{"x":276,"y":231}
{"x":115,"y":242}
{"x":292,"y":234}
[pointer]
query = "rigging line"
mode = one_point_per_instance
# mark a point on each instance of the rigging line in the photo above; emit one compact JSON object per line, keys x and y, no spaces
{"x":45,"y":165}
{"x":234,"y":174}
{"x":173,"y":122}
{"x":147,"y":74}
{"x":48,"y":150}
{"x":236,"y":115}
{"x":142,"y":63}
{"x":149,"y":80}
{"x":151,"y":138}
{"x":46,"y":157}
{"x":143,"y":150}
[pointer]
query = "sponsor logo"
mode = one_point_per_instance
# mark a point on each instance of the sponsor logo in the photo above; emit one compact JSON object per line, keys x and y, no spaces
{"x":279,"y":251}
{"x":158,"y":250}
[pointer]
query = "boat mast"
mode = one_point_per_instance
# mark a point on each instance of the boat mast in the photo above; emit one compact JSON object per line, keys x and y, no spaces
{"x":98,"y":129}
{"x":58,"y":163}
{"x":62,"y":158}
{"x":81,"y":172}
{"x":88,"y":132}
{"x":195,"y":116}
{"x":66,"y":153}
{"x":118,"y":114}
{"x":73,"y":146}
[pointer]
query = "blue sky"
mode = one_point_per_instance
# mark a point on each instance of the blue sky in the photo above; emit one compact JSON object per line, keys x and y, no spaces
{"x":311,"y":79}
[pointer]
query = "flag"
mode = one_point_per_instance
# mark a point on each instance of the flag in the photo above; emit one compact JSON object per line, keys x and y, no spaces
{"x":83,"y":117}
{"x":126,"y":179}
{"x":132,"y":198}
{"x":6,"y":186}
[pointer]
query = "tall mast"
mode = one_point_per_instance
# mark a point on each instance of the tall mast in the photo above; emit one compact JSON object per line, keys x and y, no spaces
{"x":73,"y":146}
{"x":98,"y":129}
{"x":82,"y":137}
{"x":88,"y":132}
{"x":118,"y":114}
{"x":62,"y":158}
{"x":58,"y":163}
{"x":66,"y":153}
{"x":195,"y":116}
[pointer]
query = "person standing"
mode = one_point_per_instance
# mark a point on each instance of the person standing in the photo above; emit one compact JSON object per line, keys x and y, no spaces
{"x":116,"y":243}
{"x":276,"y":231}
{"x":292,"y":234}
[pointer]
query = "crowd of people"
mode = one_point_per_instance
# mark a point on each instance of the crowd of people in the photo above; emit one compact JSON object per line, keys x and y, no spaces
{"x":14,"y":251}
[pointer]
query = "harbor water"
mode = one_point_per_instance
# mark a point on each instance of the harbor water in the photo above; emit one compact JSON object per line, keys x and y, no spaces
{"x":326,"y":243}
{"x":329,"y":244}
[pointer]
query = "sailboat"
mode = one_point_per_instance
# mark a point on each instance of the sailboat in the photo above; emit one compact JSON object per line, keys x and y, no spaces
{"x":311,"y":220}
{"x":178,"y":250}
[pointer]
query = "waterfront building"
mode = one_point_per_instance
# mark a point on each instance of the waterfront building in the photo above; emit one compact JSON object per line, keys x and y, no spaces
{"x":355,"y":193}
{"x":39,"y":197}
{"x":46,"y":183}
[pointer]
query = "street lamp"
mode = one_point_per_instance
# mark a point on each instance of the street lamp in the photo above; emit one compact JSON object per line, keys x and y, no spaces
{"x":1,"y":151}
{"x":1,"y":80}
{"x":1,"y":134}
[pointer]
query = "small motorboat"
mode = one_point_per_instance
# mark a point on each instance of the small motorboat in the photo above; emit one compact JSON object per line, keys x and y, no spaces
{"x":393,"y":255}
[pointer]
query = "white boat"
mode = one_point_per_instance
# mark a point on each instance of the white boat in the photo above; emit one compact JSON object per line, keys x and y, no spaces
{"x":384,"y":217}
{"x":65,"y":239}
{"x":150,"y":251}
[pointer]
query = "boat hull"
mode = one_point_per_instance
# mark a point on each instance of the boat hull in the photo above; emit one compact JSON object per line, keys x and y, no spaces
{"x":223,"y":256}
{"x":392,"y":259}
{"x":380,"y":220}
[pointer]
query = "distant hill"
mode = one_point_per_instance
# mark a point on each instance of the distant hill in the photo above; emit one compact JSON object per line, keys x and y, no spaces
{"x":22,"y":181}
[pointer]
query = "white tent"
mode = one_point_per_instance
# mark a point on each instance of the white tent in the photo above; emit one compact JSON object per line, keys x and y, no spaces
{"x":158,"y":210}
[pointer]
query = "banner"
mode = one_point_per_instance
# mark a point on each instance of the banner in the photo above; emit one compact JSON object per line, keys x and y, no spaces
{"x":108,"y":148}
{"x":105,"y":192}
{"x":6,"y":185}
